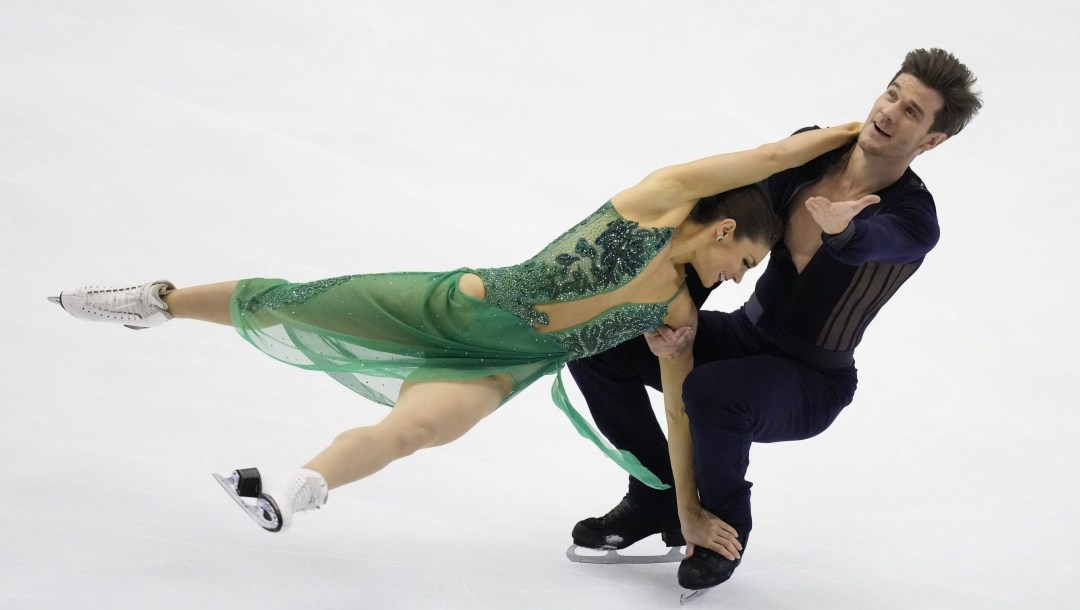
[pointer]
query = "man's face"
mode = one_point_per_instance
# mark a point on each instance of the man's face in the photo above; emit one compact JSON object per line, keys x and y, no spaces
{"x":899,"y":123}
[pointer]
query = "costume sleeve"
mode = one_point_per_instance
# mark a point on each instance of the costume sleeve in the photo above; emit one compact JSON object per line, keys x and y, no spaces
{"x":902,"y":232}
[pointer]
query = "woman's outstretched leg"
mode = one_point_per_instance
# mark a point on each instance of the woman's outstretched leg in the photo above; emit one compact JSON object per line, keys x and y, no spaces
{"x":149,"y":304}
{"x":427,"y":414}
{"x":208,"y":302}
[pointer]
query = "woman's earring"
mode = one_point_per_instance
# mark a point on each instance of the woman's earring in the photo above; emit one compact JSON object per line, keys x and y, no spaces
{"x":720,"y":239}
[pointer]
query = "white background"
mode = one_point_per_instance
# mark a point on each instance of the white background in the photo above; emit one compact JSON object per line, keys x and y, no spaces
{"x":200,"y":141}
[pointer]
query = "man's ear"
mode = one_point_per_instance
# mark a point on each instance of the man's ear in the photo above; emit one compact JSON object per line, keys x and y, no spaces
{"x":932,"y":140}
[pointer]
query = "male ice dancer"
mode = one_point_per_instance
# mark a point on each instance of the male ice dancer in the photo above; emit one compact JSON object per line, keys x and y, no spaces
{"x":781,"y":367}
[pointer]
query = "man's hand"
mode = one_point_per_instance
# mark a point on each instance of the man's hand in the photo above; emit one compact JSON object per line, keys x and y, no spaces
{"x":833,"y":217}
{"x":667,"y":342}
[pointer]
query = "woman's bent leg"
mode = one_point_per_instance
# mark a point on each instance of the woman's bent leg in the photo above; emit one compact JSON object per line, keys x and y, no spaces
{"x":427,"y":414}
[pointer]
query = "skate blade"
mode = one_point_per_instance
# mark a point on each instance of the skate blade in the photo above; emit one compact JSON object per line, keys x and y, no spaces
{"x":261,"y":511}
{"x":689,"y":596}
{"x":612,"y":557}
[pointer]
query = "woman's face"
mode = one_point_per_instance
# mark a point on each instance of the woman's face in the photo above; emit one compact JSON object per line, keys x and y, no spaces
{"x":730,"y":259}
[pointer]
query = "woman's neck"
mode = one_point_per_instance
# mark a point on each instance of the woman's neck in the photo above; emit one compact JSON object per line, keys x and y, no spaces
{"x":688,"y":237}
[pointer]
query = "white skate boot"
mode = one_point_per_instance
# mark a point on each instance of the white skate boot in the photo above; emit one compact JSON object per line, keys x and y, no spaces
{"x":133,"y":306}
{"x":273,"y":506}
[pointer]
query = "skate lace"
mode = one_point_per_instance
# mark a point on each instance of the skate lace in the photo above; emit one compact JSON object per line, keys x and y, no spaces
{"x":302,"y":493}
{"x":622,"y":511}
{"x":299,"y":496}
{"x":118,"y":300}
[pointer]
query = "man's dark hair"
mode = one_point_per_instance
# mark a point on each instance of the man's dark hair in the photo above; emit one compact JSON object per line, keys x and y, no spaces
{"x":943,"y":72}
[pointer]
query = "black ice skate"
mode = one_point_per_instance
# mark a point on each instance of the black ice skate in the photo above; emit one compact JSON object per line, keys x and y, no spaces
{"x":705,"y":569}
{"x":273,"y":507}
{"x":624,"y":525}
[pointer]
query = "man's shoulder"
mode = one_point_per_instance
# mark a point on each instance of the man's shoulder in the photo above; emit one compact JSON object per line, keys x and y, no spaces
{"x":909,"y":197}
{"x":909,"y":186}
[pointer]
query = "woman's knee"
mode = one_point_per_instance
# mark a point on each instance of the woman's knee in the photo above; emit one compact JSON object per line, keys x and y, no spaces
{"x":421,"y":434}
{"x":398,"y":441}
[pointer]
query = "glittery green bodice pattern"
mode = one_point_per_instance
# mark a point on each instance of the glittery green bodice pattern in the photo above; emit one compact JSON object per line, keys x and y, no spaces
{"x":599,"y":254}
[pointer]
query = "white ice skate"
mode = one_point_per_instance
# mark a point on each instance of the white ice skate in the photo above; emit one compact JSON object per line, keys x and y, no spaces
{"x":133,"y":306}
{"x":273,"y":506}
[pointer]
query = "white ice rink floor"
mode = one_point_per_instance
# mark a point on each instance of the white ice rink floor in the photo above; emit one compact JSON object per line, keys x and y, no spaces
{"x":202,"y":141}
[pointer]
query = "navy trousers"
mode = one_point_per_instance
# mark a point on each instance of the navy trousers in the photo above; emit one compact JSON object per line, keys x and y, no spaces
{"x":741,"y":391}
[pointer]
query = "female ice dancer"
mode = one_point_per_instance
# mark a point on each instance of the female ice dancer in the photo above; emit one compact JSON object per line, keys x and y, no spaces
{"x":446,"y":349}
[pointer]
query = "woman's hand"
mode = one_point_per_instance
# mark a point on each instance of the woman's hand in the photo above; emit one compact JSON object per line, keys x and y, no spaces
{"x":702,"y":528}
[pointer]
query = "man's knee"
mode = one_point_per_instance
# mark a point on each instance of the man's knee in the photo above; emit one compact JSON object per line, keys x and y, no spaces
{"x":711,"y":393}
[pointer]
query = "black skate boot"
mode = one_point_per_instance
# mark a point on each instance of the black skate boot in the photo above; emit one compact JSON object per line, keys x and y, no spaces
{"x":706,"y":568}
{"x":621,"y":527}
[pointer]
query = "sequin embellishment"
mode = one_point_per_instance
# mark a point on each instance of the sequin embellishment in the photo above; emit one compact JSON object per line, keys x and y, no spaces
{"x":611,"y":328}
{"x":290,"y":294}
{"x":599,"y":254}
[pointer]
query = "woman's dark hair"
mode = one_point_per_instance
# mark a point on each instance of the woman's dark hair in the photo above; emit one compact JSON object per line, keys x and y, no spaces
{"x":748,"y":206}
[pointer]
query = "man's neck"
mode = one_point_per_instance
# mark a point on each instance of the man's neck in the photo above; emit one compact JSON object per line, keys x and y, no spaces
{"x":856,"y":172}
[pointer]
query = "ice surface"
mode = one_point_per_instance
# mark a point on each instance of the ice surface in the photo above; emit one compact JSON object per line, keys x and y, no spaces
{"x":202,"y":141}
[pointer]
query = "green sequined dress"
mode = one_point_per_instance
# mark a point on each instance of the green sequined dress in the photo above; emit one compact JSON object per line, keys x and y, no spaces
{"x":372,"y":332}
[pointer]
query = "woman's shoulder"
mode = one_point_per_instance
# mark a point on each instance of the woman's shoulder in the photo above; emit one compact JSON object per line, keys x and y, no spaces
{"x":637,"y":206}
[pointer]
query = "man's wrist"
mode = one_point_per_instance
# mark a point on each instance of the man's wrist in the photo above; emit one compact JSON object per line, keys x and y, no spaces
{"x":839,"y":240}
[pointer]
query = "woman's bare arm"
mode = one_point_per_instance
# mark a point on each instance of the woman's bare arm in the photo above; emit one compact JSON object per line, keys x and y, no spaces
{"x":667,"y":195}
{"x":699,"y":527}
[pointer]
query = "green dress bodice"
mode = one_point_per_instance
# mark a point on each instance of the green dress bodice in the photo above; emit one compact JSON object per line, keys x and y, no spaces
{"x":600,"y":254}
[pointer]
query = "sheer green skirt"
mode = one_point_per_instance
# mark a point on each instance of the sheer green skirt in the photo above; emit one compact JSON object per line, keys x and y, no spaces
{"x":374,"y":332}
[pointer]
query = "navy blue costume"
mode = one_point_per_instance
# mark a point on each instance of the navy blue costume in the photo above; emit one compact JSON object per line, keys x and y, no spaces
{"x":781,"y":367}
